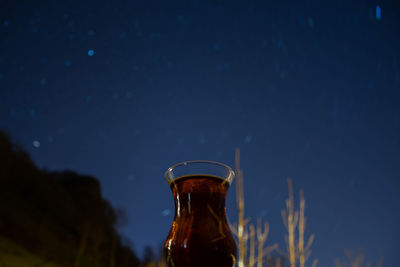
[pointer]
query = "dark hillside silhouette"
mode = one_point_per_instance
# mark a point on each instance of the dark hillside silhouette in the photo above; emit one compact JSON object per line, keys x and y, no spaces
{"x":59,"y":216}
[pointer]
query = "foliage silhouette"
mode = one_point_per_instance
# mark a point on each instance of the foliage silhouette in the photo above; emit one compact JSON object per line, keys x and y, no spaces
{"x":59,"y":216}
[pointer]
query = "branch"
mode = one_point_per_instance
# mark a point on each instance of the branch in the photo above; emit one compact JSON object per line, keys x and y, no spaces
{"x":269,"y":249}
{"x":310,"y":241}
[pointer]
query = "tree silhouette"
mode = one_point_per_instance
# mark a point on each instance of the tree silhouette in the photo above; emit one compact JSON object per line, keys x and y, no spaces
{"x":59,"y":216}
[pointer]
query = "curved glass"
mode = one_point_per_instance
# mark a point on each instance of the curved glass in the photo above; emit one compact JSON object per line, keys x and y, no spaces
{"x":200,"y":234}
{"x":200,"y":167}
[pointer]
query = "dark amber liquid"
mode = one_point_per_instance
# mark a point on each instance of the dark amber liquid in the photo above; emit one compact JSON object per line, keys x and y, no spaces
{"x":200,"y":234}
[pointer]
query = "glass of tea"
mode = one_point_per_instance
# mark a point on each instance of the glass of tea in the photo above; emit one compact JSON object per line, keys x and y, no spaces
{"x":200,"y":234}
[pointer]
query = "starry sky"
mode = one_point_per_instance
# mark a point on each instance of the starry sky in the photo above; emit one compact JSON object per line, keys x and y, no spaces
{"x":121,"y":90}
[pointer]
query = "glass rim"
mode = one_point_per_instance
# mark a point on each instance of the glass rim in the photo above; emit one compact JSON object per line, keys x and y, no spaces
{"x":229,"y":178}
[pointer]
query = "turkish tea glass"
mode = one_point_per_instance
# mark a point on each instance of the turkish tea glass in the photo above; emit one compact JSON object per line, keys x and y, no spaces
{"x":200,"y":234}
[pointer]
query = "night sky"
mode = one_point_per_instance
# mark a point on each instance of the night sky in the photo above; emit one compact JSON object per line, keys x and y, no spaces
{"x":121,"y":90}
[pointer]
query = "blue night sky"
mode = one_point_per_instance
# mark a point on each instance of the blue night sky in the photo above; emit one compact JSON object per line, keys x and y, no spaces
{"x":121,"y":90}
